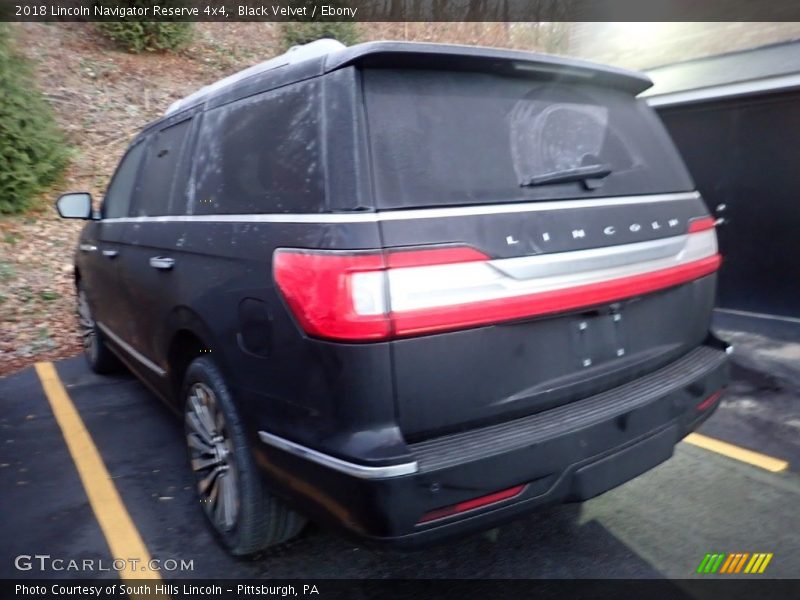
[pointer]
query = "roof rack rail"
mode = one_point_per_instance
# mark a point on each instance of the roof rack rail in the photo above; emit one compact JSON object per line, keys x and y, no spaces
{"x":293,"y":55}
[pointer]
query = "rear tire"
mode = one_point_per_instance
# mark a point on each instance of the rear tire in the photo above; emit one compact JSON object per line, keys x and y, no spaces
{"x":244,"y":515}
{"x":99,"y":356}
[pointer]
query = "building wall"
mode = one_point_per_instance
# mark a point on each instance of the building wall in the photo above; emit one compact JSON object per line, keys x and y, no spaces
{"x":738,"y":155}
{"x":647,"y":45}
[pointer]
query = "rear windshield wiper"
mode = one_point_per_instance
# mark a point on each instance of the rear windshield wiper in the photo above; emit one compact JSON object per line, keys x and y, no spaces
{"x":584,"y":174}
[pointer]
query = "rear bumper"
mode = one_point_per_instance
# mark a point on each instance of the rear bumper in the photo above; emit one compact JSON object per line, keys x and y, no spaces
{"x":570,"y":453}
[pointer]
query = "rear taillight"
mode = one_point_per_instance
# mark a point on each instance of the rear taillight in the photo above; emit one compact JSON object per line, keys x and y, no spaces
{"x":345,"y":296}
{"x":368,"y":296}
{"x":333,"y":295}
{"x":701,"y":224}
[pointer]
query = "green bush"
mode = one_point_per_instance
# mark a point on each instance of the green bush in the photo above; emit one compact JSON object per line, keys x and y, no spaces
{"x":294,"y":33}
{"x":141,"y":36}
{"x":32,"y":150}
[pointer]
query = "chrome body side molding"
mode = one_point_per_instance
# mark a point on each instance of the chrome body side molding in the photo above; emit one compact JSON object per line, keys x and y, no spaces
{"x":337,"y":464}
{"x":131,"y":351}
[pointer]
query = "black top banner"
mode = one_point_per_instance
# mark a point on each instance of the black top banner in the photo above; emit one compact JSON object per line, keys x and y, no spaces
{"x":400,"y":10}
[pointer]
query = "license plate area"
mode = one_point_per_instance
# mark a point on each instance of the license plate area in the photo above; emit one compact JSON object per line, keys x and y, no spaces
{"x":598,"y":336}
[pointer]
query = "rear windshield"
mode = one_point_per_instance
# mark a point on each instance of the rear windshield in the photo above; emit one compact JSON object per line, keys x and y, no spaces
{"x":449,"y":138}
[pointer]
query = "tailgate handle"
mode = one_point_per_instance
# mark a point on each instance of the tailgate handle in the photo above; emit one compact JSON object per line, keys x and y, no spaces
{"x":161,"y":262}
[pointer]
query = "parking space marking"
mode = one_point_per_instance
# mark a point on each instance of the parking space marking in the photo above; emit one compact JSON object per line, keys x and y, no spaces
{"x":121,"y":534}
{"x":762,"y":461}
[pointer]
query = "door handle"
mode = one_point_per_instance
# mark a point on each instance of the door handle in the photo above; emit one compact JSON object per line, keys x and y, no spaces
{"x":110,"y":253}
{"x":162,"y":262}
{"x":88,"y":248}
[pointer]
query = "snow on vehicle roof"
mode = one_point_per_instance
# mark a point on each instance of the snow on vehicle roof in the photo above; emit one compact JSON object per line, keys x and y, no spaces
{"x":426,"y":55}
{"x":294,"y":55}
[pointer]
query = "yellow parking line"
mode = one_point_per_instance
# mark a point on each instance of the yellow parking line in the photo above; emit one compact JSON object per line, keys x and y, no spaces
{"x":750,"y":457}
{"x":121,"y":534}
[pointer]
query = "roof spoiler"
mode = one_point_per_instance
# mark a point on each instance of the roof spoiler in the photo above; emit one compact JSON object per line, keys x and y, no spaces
{"x":433,"y":56}
{"x":423,"y":55}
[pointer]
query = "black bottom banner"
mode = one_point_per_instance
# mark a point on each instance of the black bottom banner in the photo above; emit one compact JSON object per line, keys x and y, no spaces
{"x":411,"y":589}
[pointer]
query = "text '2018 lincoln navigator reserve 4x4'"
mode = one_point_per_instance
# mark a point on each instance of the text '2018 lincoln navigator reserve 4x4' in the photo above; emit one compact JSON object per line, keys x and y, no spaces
{"x":410,"y":290}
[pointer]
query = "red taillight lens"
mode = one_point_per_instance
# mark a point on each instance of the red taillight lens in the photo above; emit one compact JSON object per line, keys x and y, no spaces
{"x":701,"y":224}
{"x":319,"y":290}
{"x":344,"y":296}
{"x":369,"y":296}
{"x":468,"y":505}
{"x":435,"y":256}
{"x":506,"y":308}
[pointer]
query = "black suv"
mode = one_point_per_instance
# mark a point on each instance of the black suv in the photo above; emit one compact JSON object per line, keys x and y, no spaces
{"x":411,"y":290}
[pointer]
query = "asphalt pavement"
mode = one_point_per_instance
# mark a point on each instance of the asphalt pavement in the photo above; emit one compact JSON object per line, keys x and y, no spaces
{"x":661,"y":524}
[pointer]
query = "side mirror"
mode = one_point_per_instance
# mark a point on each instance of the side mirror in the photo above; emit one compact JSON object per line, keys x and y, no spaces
{"x":75,"y":205}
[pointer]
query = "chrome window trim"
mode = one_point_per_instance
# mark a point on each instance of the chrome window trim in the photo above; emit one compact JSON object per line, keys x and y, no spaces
{"x":131,"y":351}
{"x":416,"y":213}
{"x":337,"y":464}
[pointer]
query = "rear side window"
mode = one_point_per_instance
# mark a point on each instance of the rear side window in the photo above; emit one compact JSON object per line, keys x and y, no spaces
{"x":158,"y":193}
{"x":261,"y":155}
{"x":446,"y":138}
{"x":117,"y":200}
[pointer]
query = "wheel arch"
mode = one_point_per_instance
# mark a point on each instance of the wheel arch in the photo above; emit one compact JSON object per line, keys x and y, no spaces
{"x":188,"y":338}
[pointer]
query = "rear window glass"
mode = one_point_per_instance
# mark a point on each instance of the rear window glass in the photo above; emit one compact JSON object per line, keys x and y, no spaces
{"x":448,"y":138}
{"x":261,"y":155}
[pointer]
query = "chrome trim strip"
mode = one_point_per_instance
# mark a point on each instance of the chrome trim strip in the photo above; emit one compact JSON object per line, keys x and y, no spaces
{"x":326,"y":460}
{"x":417,"y":213}
{"x":524,"y":207}
{"x":132,"y":351}
{"x":730,"y":90}
{"x":562,"y":263}
{"x":433,"y":286}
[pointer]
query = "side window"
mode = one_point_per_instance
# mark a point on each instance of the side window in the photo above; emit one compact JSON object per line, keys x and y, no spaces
{"x":261,"y":155}
{"x":118,"y":195}
{"x":160,"y":189}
